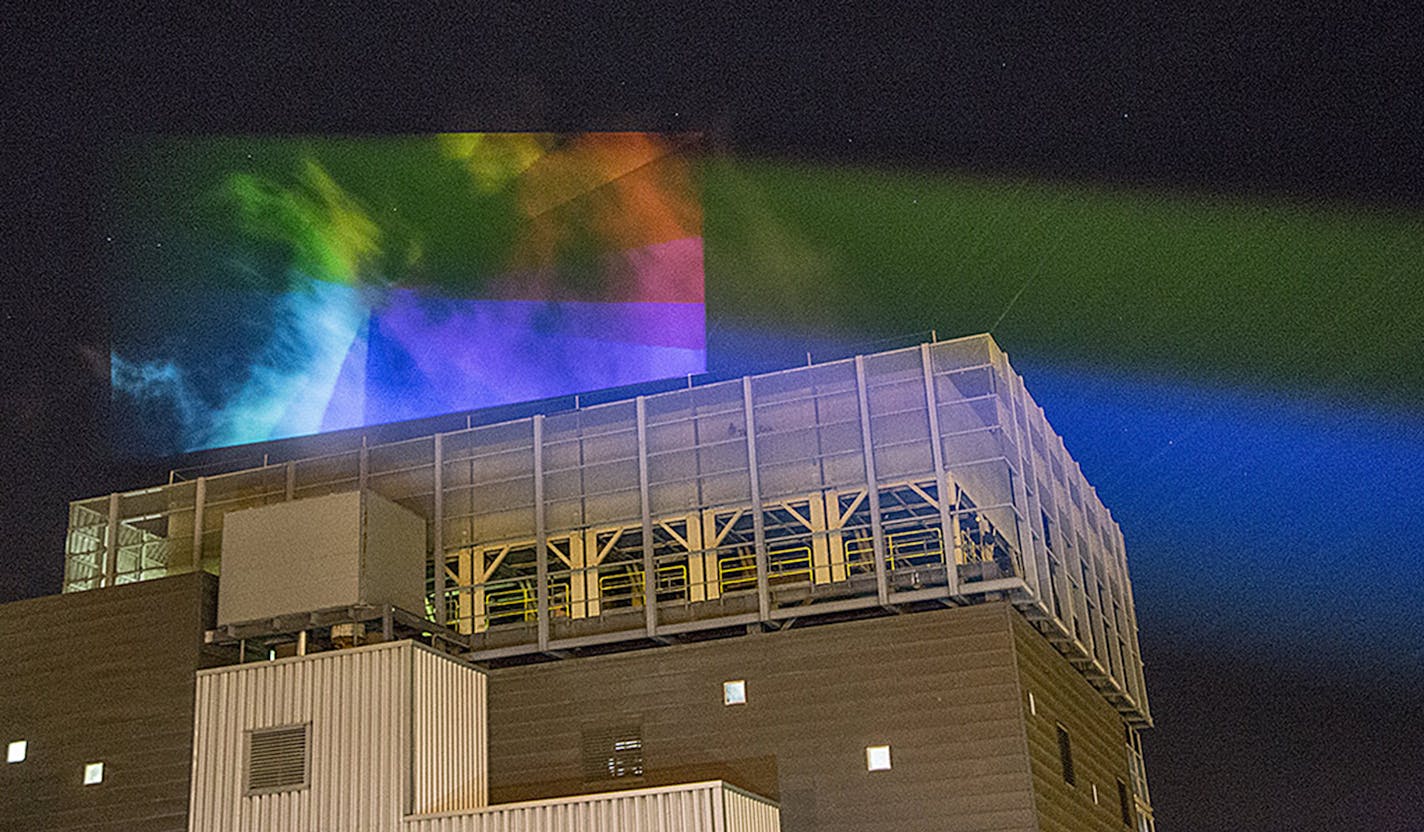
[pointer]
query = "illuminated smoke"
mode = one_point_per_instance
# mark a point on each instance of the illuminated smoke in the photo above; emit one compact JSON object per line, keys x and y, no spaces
{"x":495,"y":159}
{"x":156,"y":383}
{"x":328,"y":234}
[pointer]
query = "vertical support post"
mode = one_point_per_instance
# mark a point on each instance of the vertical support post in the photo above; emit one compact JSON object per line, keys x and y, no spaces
{"x":872,"y":489}
{"x":1028,"y":474}
{"x":948,"y":523}
{"x":758,"y":522}
{"x":200,"y":499}
{"x":437,"y":533}
{"x":291,"y":481}
{"x":1018,"y":491}
{"x":111,"y":544}
{"x":363,"y":470}
{"x":541,"y":541}
{"x":650,"y":567}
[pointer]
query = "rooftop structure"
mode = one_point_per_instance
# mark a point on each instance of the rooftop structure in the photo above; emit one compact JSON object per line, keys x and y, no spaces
{"x":750,"y":503}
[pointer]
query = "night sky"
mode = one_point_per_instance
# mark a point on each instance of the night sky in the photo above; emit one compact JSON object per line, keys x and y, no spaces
{"x":1199,"y":236}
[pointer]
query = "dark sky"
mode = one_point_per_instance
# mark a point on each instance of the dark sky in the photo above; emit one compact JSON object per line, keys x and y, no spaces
{"x":1318,"y":109}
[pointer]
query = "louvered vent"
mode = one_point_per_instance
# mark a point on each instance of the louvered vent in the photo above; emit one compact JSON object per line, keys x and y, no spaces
{"x":277,"y":759}
{"x":611,"y":753}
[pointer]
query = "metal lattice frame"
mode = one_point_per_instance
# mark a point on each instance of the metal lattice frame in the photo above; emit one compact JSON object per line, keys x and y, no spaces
{"x":750,"y":502}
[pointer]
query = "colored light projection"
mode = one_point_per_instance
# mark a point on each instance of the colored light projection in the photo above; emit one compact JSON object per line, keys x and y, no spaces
{"x":277,"y":287}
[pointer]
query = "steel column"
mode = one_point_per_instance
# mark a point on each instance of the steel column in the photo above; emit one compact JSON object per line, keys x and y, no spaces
{"x":291,"y":481}
{"x":200,"y":499}
{"x":1018,"y":490}
{"x":872,"y":490}
{"x":437,"y":534}
{"x":948,"y":522}
{"x":111,"y":545}
{"x":541,"y":541}
{"x":758,"y":522}
{"x":650,"y":568}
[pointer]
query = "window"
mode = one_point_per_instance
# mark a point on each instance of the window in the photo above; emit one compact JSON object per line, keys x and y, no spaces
{"x":15,"y":752}
{"x":877,"y":758}
{"x":277,"y":759}
{"x":1065,"y":754}
{"x":734,"y":692}
{"x":1124,"y":802}
{"x":612,"y":753}
{"x":93,"y":773}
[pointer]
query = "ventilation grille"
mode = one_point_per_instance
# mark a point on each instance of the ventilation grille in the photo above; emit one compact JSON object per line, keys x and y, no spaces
{"x":612,"y":753}
{"x":277,"y":759}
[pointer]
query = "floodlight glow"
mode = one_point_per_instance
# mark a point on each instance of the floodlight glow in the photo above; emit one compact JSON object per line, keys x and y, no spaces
{"x":278,"y":287}
{"x":15,"y":752}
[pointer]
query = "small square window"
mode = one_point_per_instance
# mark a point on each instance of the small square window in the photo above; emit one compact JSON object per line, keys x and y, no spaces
{"x":93,"y":773}
{"x":877,"y":758}
{"x":15,"y":752}
{"x":734,"y":692}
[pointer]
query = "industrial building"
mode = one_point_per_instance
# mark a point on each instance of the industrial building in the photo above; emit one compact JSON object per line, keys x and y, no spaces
{"x":874,"y":593}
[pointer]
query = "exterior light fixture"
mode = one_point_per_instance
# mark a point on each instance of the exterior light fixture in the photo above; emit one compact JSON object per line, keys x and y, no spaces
{"x":93,"y":773}
{"x":15,"y":751}
{"x":877,"y":758}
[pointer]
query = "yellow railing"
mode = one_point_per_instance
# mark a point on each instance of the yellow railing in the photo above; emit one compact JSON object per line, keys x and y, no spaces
{"x":905,"y":549}
{"x":908,"y":548}
{"x":629,"y":583}
{"x":735,"y":574}
{"x":522,"y":601}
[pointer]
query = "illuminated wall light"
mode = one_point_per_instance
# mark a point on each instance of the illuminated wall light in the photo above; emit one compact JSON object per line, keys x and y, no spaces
{"x":15,"y":751}
{"x":1095,"y":794}
{"x":1032,"y":705}
{"x":93,"y":773}
{"x":877,"y":758}
{"x":734,"y":692}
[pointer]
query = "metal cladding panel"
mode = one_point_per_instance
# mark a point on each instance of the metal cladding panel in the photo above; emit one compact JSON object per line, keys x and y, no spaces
{"x":746,"y":812}
{"x":449,"y":735}
{"x":392,"y":554}
{"x":695,"y":807}
{"x":357,"y":703}
{"x":102,"y":676}
{"x":290,"y":557}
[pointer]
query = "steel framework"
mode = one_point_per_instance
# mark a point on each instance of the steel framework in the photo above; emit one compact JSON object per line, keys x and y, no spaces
{"x":750,"y":502}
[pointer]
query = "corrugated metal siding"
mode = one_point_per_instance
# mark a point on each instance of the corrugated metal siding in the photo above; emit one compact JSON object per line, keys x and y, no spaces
{"x":745,"y":812}
{"x":392,"y":726}
{"x":357,"y":702}
{"x":449,"y":732}
{"x":696,"y":807}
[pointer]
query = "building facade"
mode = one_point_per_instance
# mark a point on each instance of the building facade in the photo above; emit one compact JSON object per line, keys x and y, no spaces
{"x":806,"y":526}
